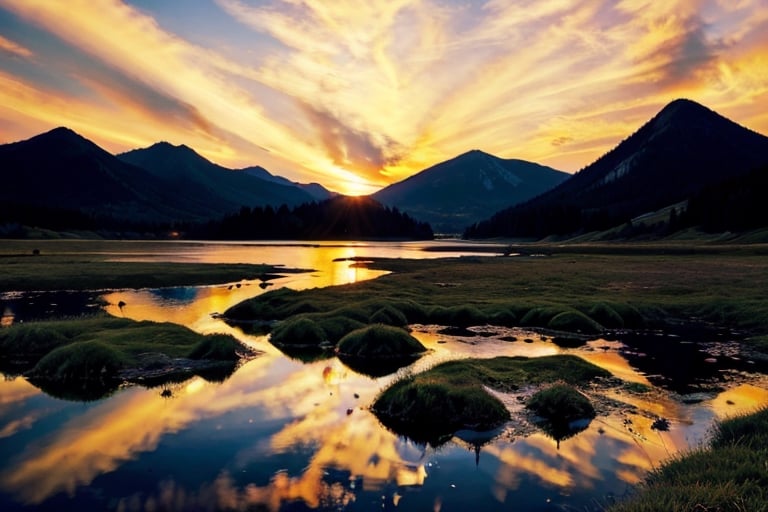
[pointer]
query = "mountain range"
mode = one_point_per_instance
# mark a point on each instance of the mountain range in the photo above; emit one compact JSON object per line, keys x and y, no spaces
{"x":210,"y":190}
{"x":62,"y":171}
{"x":681,"y":151}
{"x":683,"y":155}
{"x":459,"y":192}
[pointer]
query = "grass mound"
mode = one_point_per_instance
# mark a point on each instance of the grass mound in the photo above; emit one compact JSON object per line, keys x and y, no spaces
{"x":336,"y":327}
{"x":574,"y":321}
{"x":540,"y":316}
{"x":560,"y":403}
{"x":92,"y":351}
{"x":30,"y":341}
{"x":729,"y":475}
{"x":606,"y":315}
{"x":450,"y":396}
{"x":377,"y":341}
{"x":457,"y":316}
{"x":218,"y":347}
{"x":428,"y":411}
{"x":78,"y":362}
{"x":390,"y":316}
{"x":300,"y":331}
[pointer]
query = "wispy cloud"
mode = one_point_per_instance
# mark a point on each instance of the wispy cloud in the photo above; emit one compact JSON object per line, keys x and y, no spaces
{"x":14,"y":49}
{"x":357,"y":95}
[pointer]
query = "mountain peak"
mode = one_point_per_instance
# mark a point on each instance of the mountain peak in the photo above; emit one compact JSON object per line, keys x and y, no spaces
{"x":684,"y":148}
{"x":167,"y":146}
{"x":61,"y":133}
{"x":458,"y":192}
{"x":475,"y":152}
{"x":684,"y":111}
{"x":62,"y":138}
{"x":684,"y":103}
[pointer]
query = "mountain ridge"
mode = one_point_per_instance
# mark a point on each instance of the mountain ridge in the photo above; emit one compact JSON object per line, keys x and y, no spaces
{"x":454,"y":193}
{"x":680,"y":150}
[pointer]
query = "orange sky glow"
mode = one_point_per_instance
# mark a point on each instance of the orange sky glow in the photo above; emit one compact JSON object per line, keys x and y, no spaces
{"x":358,"y":95}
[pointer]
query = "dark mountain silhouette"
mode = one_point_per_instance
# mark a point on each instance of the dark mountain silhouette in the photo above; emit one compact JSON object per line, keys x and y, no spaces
{"x":60,"y":180}
{"x":338,"y":218}
{"x":64,"y":172}
{"x":209,"y":189}
{"x":683,"y":149}
{"x":454,"y":194}
{"x":316,"y":190}
{"x":738,"y":204}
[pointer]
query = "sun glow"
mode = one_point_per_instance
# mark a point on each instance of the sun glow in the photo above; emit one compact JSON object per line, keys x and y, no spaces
{"x":357,"y":97}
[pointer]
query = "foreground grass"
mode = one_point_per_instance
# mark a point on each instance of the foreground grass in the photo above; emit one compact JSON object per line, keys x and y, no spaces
{"x":450,"y":397}
{"x":578,"y":292}
{"x":101,"y":350}
{"x":730,"y":475}
{"x":69,"y":265}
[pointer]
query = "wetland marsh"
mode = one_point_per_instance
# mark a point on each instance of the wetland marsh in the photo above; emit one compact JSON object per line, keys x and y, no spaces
{"x":293,"y":433}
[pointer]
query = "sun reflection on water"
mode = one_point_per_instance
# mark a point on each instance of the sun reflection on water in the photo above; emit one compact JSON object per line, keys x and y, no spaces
{"x":318,"y":414}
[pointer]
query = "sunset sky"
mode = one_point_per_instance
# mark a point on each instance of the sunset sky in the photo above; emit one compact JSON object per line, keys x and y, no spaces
{"x":356,"y":95}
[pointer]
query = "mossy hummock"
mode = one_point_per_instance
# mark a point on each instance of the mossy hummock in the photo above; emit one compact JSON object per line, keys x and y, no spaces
{"x":451,"y":396}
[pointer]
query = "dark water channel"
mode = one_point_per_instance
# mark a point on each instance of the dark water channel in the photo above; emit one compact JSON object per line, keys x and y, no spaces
{"x":282,"y":434}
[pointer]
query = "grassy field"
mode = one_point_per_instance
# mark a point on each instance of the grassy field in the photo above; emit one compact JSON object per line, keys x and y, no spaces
{"x":86,"y":265}
{"x":587,"y":292}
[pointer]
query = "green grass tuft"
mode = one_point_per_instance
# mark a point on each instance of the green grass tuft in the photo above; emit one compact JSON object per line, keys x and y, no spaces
{"x":574,"y":321}
{"x":336,"y":327}
{"x":218,"y":347}
{"x":30,"y":341}
{"x":298,"y":331}
{"x":605,"y":315}
{"x":80,"y":362}
{"x":390,"y":316}
{"x":376,"y":341}
{"x":560,"y":403}
{"x":540,"y":316}
{"x":458,"y":316}
{"x":429,"y":410}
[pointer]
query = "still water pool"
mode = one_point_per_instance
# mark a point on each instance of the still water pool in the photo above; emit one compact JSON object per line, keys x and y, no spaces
{"x":280,"y":434}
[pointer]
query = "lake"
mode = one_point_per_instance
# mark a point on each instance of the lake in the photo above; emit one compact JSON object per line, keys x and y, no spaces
{"x":281,"y":434}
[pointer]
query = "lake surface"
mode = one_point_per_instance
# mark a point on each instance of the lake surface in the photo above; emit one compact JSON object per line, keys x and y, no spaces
{"x":280,"y":434}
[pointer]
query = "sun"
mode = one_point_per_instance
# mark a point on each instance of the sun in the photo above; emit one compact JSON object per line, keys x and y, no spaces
{"x":351,"y":184}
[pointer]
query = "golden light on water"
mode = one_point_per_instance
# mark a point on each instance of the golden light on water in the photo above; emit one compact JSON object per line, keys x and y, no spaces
{"x":321,"y":410}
